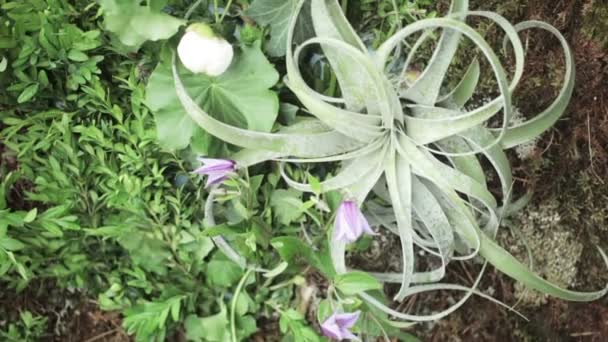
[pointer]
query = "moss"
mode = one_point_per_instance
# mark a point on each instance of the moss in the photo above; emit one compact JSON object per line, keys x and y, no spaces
{"x":556,"y":251}
{"x":595,"y":21}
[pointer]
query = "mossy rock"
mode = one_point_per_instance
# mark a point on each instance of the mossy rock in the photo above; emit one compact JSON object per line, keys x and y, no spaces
{"x":595,"y":21}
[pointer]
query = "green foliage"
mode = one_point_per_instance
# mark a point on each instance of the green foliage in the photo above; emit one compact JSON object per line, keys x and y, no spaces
{"x":381,"y":19}
{"x":215,"y":328}
{"x":148,"y":318}
{"x":212,"y":328}
{"x":293,"y":325}
{"x":41,"y":45}
{"x":277,"y":14}
{"x":287,"y":205}
{"x":89,"y":199}
{"x":30,"y":328}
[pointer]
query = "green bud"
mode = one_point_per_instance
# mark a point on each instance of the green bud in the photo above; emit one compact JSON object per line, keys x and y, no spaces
{"x":249,"y":34}
{"x":202,"y":30}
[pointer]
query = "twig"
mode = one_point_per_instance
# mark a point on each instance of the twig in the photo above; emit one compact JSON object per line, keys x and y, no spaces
{"x":100,"y":336}
{"x":591,"y":150}
{"x":587,"y":333}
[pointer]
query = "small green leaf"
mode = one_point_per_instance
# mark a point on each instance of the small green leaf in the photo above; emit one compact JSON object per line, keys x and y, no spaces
{"x":20,"y":268}
{"x":77,"y":56}
{"x":352,"y":283}
{"x":287,"y":113}
{"x":242,"y":304}
{"x":28,"y":93}
{"x":287,"y":205}
{"x":10,"y":244}
{"x":315,"y":184}
{"x":292,"y":250}
{"x":43,"y":78}
{"x":223,"y":230}
{"x":175,"y":310}
{"x":3,"y":64}
{"x":277,"y":270}
{"x":30,"y":216}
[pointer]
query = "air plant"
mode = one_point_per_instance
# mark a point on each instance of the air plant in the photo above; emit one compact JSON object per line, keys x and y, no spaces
{"x":412,"y":145}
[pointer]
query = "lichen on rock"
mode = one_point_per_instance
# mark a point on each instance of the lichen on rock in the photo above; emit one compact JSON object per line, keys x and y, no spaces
{"x":554,"y":248}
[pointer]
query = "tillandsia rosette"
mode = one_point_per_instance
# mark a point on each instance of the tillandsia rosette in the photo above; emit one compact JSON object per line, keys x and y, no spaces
{"x":409,"y":150}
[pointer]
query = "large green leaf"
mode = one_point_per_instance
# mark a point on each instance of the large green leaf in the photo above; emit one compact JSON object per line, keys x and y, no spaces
{"x":287,"y":205}
{"x":239,"y":97}
{"x":211,"y":328}
{"x":277,"y":14}
{"x":135,"y":24}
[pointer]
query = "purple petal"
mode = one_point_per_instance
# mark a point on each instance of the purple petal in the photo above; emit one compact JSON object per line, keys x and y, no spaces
{"x":347,"y":320}
{"x":365,"y":228}
{"x":218,"y":170}
{"x":216,"y":178}
{"x":216,"y":165}
{"x":204,"y":170}
{"x":340,"y":227}
{"x":347,"y":335}
{"x":350,"y":223}
{"x":331,"y":330}
{"x":353,"y":218}
{"x":351,"y":234}
{"x":215,"y":161}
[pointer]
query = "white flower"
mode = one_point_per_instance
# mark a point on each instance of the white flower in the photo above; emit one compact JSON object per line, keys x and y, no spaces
{"x":201,"y":51}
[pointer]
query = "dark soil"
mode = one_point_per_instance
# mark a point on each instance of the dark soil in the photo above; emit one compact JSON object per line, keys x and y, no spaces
{"x":72,"y":317}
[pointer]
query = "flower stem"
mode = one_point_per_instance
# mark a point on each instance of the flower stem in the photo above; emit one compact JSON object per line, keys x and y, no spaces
{"x":192,"y":9}
{"x":237,"y":292}
{"x":209,"y":221}
{"x":226,"y":9}
{"x":215,"y":7}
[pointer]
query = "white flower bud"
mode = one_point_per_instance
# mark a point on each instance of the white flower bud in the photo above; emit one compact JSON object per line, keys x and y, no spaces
{"x":201,"y":51}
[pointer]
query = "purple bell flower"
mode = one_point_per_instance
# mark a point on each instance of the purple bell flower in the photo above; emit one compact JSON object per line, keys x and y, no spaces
{"x":350,"y":223}
{"x":337,"y":326}
{"x":216,"y":170}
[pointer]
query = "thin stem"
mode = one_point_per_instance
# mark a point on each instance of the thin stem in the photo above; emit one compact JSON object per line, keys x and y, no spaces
{"x":386,"y":338}
{"x":250,"y":193}
{"x":219,"y":241}
{"x":226,"y":10}
{"x":237,"y":292}
{"x":192,"y":9}
{"x":215,"y":7}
